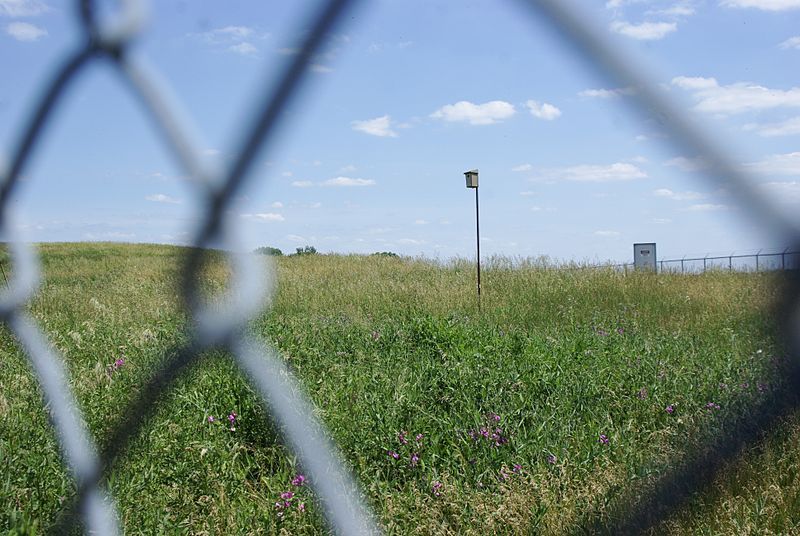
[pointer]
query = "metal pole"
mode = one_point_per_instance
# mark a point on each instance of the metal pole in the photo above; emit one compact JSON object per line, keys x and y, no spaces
{"x":730,"y":263}
{"x":478,"y":244}
{"x":757,"y":253}
{"x":783,"y":259}
{"x":704,"y":263}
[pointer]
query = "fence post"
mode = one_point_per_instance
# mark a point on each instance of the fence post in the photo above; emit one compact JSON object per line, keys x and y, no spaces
{"x":682,"y":263}
{"x":783,"y":259}
{"x":704,"y":263}
{"x":730,"y":262}
{"x":757,"y":253}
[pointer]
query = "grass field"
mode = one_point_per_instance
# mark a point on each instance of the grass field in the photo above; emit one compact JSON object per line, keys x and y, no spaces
{"x":549,"y":412}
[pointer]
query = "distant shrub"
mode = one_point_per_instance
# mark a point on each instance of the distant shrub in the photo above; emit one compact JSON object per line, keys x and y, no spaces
{"x":307,"y":250}
{"x":267,"y":250}
{"x":385,"y":254}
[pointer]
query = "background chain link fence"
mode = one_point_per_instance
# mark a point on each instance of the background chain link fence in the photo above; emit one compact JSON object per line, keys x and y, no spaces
{"x":222,"y":325}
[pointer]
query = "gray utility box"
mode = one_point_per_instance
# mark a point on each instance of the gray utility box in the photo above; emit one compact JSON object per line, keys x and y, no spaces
{"x":644,"y":256}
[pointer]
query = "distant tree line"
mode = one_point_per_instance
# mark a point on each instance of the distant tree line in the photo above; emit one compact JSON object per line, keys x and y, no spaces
{"x":309,"y":250}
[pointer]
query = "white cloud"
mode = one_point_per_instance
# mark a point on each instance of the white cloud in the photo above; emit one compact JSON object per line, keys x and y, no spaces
{"x":319,"y":68}
{"x":421,"y":222}
{"x":161,"y":198}
{"x":522,"y":167}
{"x":302,"y":184}
{"x":286,"y":174}
{"x":263,"y":217}
{"x":296,"y":238}
{"x":766,"y":5}
{"x":380,"y":126}
{"x":784,"y":192}
{"x":348,"y":168}
{"x":678,"y":196}
{"x":606,"y":93}
{"x":687,"y":164}
{"x":646,"y":31}
{"x":778,"y":164}
{"x":23,"y":31}
{"x":22,"y":8}
{"x":607,"y":234}
{"x":788,"y":127}
{"x":735,"y":98}
{"x":662,"y":221}
{"x":244,"y":48}
{"x":678,"y":10}
{"x":411,"y":241}
{"x":233,"y":32}
{"x":792,"y":42}
{"x":277,"y":204}
{"x":694,"y":82}
{"x":619,"y":171}
{"x":706,"y":207}
{"x":542,"y":110}
{"x":475,"y":114}
{"x":347,"y":181}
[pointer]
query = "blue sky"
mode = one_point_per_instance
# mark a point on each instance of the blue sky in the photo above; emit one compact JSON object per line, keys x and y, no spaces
{"x":404,"y":98}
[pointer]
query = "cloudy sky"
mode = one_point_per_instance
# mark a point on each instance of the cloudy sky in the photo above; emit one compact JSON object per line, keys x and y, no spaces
{"x":401,"y":101}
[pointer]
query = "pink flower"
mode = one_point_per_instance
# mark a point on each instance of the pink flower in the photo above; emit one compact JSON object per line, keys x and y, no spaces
{"x":298,"y":480}
{"x":287,"y":495}
{"x":210,"y":418}
{"x":603,"y":439}
{"x":670,"y":409}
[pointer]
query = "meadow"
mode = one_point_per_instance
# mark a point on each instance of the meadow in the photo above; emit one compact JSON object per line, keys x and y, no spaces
{"x":551,"y":410}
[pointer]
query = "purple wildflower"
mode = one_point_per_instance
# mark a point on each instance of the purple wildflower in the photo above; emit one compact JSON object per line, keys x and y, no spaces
{"x":745,"y":385}
{"x":712,"y":405}
{"x":551,"y":459}
{"x":601,"y":332}
{"x":287,"y":495}
{"x":301,"y":507}
{"x":118,"y":363}
{"x":393,"y":454}
{"x":670,"y":409}
{"x":436,"y":488}
{"x":603,"y":439}
{"x":211,"y":418}
{"x":401,"y":437}
{"x":517,"y":468}
{"x":495,"y":417}
{"x":298,"y":480}
{"x":762,"y":387}
{"x":419,"y":438}
{"x":232,"y":417}
{"x":642,"y":394}
{"x":414,"y":459}
{"x":620,"y":331}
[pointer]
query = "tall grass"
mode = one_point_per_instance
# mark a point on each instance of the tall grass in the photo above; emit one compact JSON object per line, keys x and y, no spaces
{"x":547,"y":411}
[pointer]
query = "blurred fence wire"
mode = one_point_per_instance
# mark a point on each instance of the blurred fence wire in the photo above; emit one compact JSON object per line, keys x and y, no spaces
{"x":222,"y":324}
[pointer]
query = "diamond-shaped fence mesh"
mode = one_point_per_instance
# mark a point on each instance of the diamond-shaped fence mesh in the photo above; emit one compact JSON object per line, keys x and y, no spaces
{"x":222,"y":326}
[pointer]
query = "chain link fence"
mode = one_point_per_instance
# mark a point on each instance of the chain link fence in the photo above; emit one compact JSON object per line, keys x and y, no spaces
{"x":222,"y":325}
